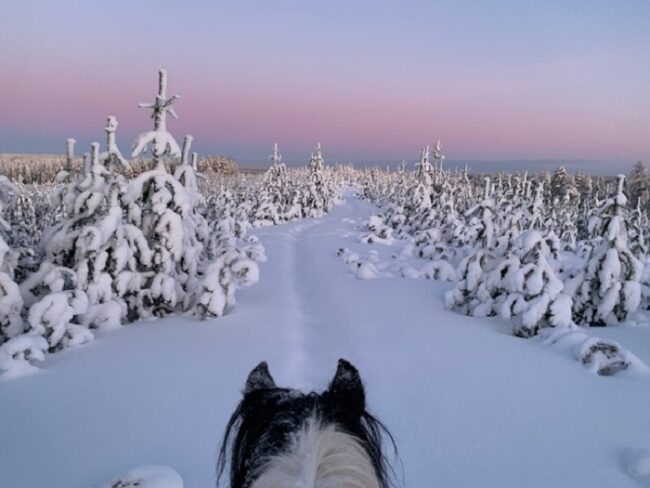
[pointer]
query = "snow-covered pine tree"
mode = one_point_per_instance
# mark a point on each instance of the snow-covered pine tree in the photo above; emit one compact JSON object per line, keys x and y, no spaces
{"x":607,"y":290}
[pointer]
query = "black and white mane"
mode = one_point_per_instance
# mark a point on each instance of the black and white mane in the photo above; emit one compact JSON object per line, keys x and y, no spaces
{"x":281,"y":438}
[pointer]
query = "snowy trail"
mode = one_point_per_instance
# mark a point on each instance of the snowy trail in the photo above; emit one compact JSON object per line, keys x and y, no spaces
{"x":469,"y":404}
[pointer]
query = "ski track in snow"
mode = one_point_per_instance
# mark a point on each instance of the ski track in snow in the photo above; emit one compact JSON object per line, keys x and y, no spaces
{"x":469,"y":404}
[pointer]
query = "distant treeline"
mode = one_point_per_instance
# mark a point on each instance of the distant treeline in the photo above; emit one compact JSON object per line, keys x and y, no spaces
{"x":44,"y":168}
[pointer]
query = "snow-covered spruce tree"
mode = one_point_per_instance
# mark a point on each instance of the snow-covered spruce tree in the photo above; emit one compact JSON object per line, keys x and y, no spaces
{"x":159,"y":141}
{"x":471,"y":296}
{"x":270,"y":202}
{"x":637,"y":183}
{"x":315,"y":200}
{"x":27,"y":214}
{"x":159,"y":205}
{"x":607,"y":290}
{"x":188,"y":271}
{"x":276,"y":175}
{"x":419,"y":196}
{"x":17,"y":348}
{"x":11,"y":302}
{"x":397,"y":188}
{"x":637,"y":239}
{"x":533,"y":218}
{"x":534,"y":294}
{"x":107,"y":254}
{"x":66,"y":174}
{"x":480,"y":220}
{"x":438,"y":160}
{"x":562,"y":185}
{"x":520,"y":285}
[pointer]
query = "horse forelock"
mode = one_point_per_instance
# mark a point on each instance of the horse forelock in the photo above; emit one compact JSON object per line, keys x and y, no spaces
{"x":320,"y":456}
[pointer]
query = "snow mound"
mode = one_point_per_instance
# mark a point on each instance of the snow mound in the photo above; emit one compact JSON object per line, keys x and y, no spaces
{"x":379,"y":233}
{"x":603,"y":357}
{"x":438,"y":270}
{"x":365,"y":270}
{"x":636,"y":463}
{"x":16,"y":353}
{"x":148,"y":477}
{"x":348,"y":256}
{"x":409,"y":272}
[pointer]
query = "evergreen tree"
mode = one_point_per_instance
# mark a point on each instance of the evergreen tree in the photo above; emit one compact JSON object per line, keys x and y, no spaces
{"x":637,"y":183}
{"x":607,"y":290}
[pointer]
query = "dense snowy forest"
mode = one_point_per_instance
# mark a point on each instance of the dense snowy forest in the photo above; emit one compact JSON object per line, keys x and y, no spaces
{"x":116,"y":240}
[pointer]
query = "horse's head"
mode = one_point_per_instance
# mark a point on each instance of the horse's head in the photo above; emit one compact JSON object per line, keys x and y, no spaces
{"x":277,"y":435}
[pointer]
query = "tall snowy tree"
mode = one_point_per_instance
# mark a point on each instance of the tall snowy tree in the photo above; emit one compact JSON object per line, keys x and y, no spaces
{"x":159,"y":141}
{"x":11,"y":302}
{"x":563,"y":185}
{"x":637,"y":183}
{"x":607,"y":291}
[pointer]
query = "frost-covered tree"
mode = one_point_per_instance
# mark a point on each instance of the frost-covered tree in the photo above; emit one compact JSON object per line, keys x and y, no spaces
{"x":271,"y":200}
{"x":637,"y":183}
{"x":112,"y":158}
{"x":159,"y":141}
{"x":11,"y":302}
{"x":276,"y":175}
{"x":315,"y":199}
{"x":438,"y":158}
{"x":534,"y":293}
{"x":562,"y":185}
{"x":96,"y":244}
{"x":419,"y":196}
{"x":607,"y":290}
{"x":520,"y":285}
{"x":480,"y":219}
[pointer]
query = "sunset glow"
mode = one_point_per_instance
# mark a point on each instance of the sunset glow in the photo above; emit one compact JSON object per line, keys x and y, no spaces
{"x":503,"y":80}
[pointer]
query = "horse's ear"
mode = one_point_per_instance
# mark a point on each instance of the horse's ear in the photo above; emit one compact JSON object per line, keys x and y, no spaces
{"x":259,"y":378}
{"x":347,"y":387}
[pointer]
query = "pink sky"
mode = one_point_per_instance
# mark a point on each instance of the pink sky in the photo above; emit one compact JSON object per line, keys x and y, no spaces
{"x":377,"y":88}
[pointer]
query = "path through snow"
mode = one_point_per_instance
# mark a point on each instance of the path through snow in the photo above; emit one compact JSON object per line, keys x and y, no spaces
{"x":469,"y":404}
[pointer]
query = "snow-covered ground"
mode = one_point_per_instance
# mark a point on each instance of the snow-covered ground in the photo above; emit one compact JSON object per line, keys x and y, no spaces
{"x":469,"y":404}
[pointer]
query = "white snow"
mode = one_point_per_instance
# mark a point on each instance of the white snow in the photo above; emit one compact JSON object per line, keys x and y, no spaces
{"x":148,"y":477}
{"x":468,"y":403}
